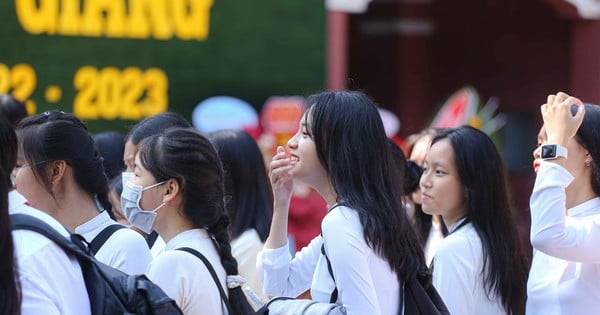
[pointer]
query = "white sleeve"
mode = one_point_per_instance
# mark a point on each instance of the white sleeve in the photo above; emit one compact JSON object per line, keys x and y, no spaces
{"x":283,"y":276}
{"x":454,"y":275}
{"x":127,"y":251}
{"x":550,"y":233}
{"x":349,"y":255}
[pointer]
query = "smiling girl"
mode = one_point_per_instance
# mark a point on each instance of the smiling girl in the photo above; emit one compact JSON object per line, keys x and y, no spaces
{"x":341,"y":151}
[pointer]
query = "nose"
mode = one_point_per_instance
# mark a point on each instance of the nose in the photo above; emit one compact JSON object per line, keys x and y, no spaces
{"x":293,"y":143}
{"x":424,"y":182}
{"x":537,"y":152}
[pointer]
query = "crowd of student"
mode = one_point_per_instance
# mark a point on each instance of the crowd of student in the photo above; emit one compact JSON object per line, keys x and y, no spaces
{"x":445,"y":211}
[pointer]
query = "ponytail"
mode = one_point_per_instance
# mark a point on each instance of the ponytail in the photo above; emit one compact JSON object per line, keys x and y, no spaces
{"x":219,"y":232}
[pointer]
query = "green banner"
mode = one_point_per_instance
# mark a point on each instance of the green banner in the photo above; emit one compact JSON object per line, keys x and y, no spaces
{"x":113,"y":62}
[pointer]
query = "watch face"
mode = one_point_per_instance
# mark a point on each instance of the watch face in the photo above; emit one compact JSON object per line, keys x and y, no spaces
{"x":548,"y":151}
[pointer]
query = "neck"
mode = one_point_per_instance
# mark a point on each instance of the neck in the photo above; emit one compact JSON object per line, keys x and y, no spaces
{"x":450,"y":219}
{"x":578,"y":192}
{"x":328,"y":194}
{"x":74,"y":209}
{"x":170,"y":222}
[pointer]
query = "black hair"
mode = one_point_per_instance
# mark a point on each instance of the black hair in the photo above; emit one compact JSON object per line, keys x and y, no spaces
{"x":55,"y":135}
{"x":353,"y":148}
{"x":189,"y":158}
{"x":421,"y":220}
{"x":588,"y":136}
{"x":8,"y":153}
{"x":10,"y":291}
{"x":155,"y":124}
{"x":409,"y":171}
{"x":110,"y":146}
{"x":482,"y":176}
{"x":13,"y":109}
{"x":246,"y":182}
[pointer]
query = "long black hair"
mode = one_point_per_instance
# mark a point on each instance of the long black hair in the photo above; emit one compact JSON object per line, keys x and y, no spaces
{"x":588,"y":136}
{"x":482,"y":176}
{"x":189,"y":158}
{"x":54,"y":135}
{"x":352,"y":147}
{"x":247,"y":186}
{"x":10,"y":293}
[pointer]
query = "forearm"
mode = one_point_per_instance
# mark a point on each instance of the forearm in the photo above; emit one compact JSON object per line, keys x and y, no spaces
{"x":278,"y":234}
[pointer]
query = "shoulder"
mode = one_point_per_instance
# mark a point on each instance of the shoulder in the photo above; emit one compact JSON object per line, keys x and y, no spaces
{"x":340,"y":218}
{"x":128,"y":238}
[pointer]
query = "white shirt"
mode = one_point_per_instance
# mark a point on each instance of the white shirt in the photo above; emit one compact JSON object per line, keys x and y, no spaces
{"x":457,"y":274}
{"x":433,"y":241}
{"x":51,"y":282}
{"x":125,"y":249}
{"x":245,"y":248}
{"x":184,"y":277}
{"x":565,"y":272}
{"x":365,"y":282}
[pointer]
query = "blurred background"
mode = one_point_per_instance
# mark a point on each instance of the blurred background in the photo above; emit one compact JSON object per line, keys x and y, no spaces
{"x":489,"y":63}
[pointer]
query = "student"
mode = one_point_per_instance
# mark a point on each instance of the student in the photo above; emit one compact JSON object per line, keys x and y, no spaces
{"x":45,"y":271}
{"x":68,"y":183}
{"x":565,"y":210}
{"x":479,"y":267}
{"x":144,"y":129}
{"x":430,"y":228}
{"x":178,"y":190}
{"x":250,"y":198}
{"x":341,"y":150}
{"x":10,"y":293}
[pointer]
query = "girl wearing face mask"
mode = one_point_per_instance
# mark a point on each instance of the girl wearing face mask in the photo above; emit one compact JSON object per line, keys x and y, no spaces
{"x":479,"y":267}
{"x":565,"y":210}
{"x":61,"y":174}
{"x":148,"y":127}
{"x":178,"y":190}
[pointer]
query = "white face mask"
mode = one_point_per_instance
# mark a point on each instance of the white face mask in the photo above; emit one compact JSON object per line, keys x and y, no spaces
{"x":130,"y":202}
{"x":126,"y":176}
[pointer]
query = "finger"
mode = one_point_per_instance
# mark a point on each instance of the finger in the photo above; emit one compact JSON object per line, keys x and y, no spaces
{"x":561,"y":97}
{"x":550,"y":99}
{"x":544,"y":108}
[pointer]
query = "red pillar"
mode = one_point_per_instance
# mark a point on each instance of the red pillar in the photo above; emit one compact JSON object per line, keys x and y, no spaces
{"x":585,"y":60}
{"x":337,"y":50}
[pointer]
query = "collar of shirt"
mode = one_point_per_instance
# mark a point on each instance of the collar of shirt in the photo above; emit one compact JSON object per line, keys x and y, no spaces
{"x":184,"y":237}
{"x":588,"y":208}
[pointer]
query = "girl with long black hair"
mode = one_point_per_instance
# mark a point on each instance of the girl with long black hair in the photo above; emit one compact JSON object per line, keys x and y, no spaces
{"x":479,"y":268}
{"x":341,"y":151}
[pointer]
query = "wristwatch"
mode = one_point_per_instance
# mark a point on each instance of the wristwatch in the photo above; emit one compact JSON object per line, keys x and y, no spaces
{"x":553,"y":151}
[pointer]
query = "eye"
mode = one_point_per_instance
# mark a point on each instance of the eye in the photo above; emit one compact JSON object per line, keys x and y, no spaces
{"x":440,"y":172}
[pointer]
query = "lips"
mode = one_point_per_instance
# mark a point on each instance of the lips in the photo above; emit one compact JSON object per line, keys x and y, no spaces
{"x":536,"y":165}
{"x":425,"y":196}
{"x":294,"y":158}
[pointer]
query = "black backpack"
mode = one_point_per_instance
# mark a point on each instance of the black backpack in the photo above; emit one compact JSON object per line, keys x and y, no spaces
{"x":111,"y":291}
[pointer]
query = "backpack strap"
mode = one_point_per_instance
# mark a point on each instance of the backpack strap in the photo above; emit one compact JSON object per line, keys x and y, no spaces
{"x":212,"y":273}
{"x":334,"y":294}
{"x":103,"y":236}
{"x":26,"y":222}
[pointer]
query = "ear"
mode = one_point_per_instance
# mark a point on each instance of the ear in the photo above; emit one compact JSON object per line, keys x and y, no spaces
{"x":57,"y":171}
{"x":588,"y":159}
{"x":173,"y":190}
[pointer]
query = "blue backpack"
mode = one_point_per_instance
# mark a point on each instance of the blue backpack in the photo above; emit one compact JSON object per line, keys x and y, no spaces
{"x":111,"y":291}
